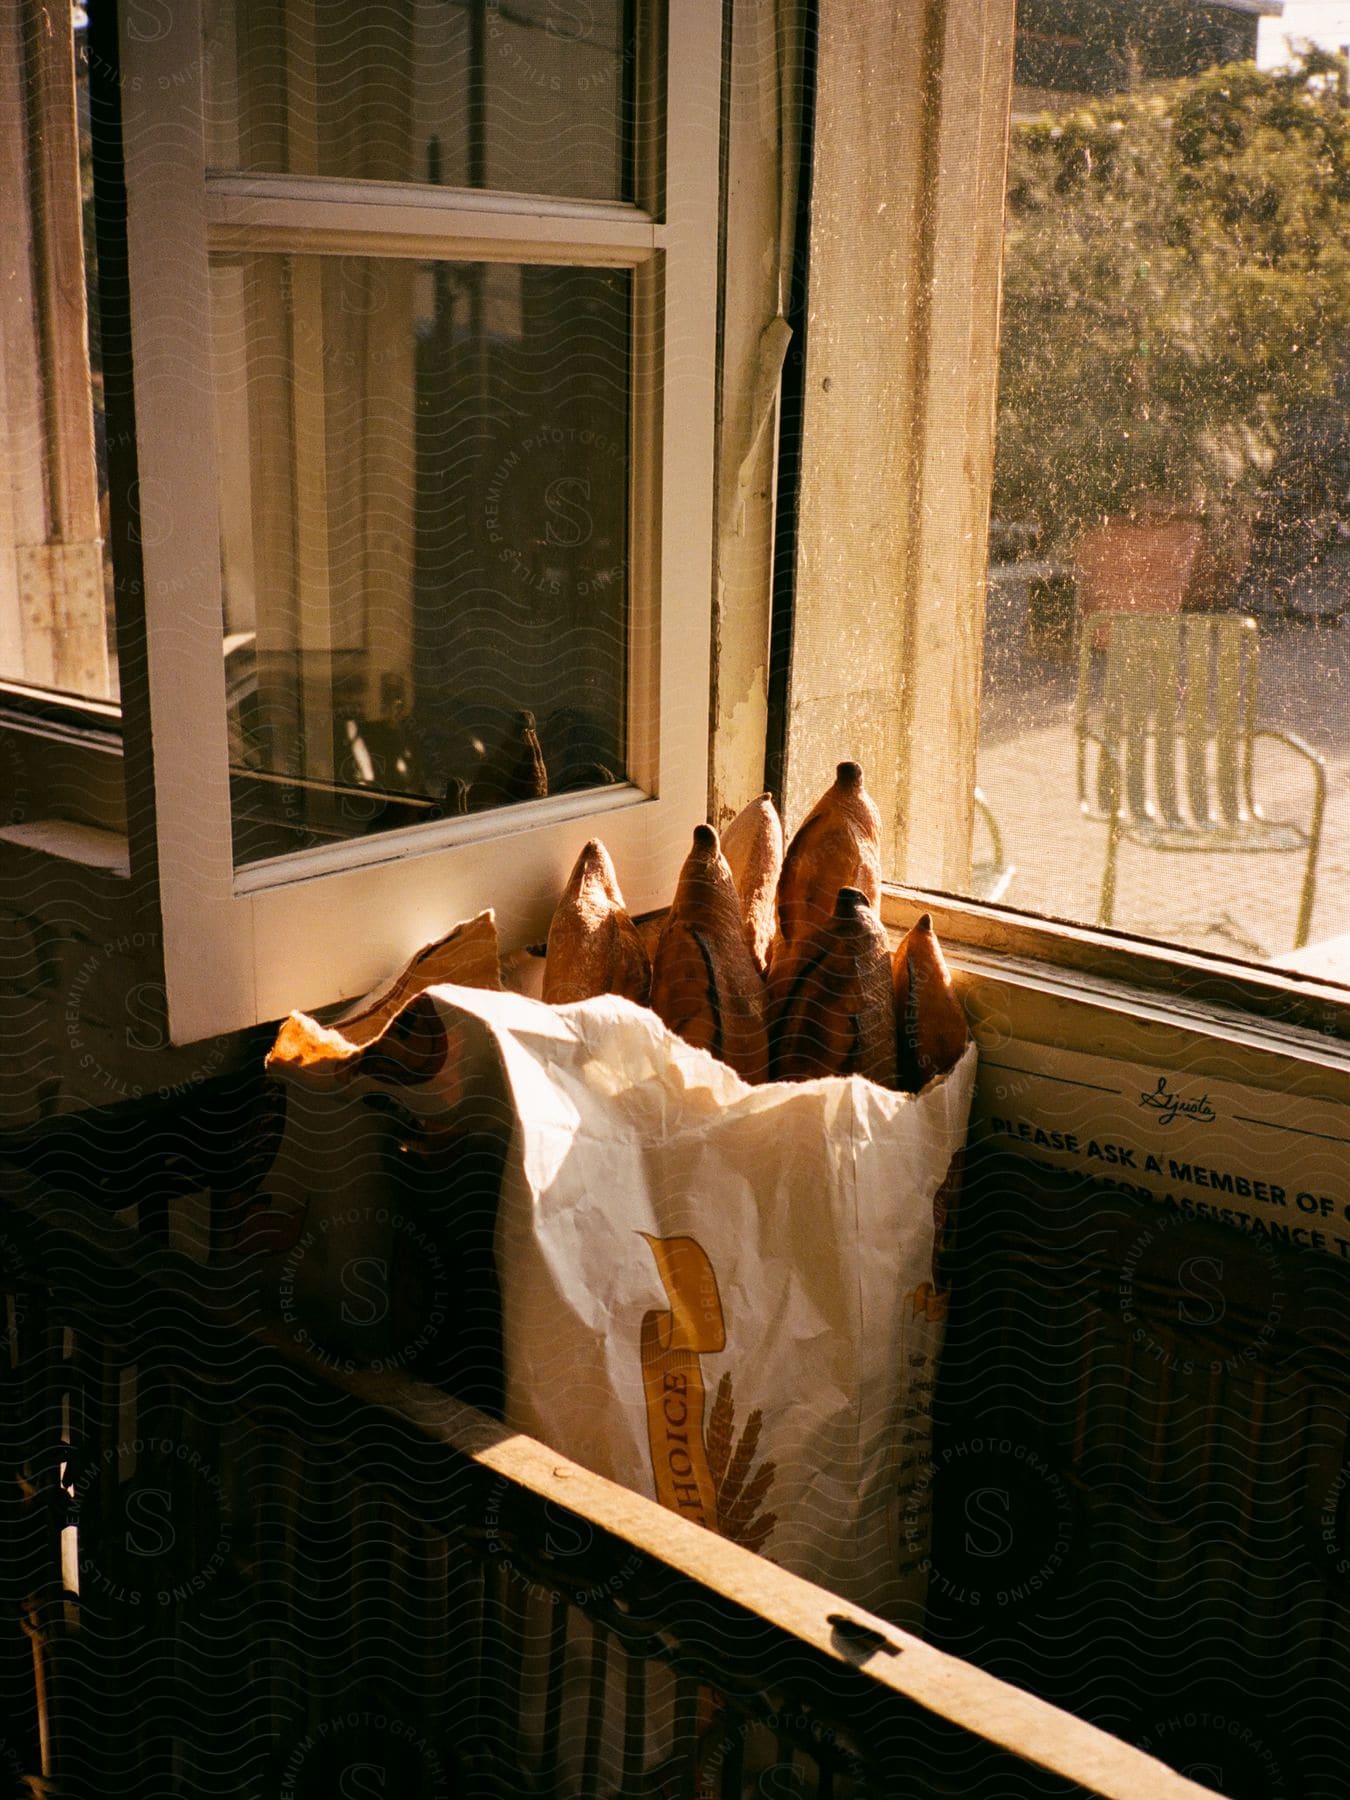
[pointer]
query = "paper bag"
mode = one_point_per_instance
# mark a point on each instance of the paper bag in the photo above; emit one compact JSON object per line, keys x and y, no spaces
{"x":725,"y":1297}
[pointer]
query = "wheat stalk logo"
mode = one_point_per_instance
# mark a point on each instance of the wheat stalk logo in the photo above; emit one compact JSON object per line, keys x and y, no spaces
{"x":741,"y":1486}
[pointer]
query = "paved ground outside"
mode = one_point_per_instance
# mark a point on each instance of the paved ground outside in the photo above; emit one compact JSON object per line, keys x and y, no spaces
{"x":1233,"y":904}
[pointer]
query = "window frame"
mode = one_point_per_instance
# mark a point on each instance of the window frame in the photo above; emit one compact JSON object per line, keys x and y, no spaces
{"x":931,"y":157}
{"x":994,"y":948}
{"x":245,"y":945}
{"x":53,"y":624}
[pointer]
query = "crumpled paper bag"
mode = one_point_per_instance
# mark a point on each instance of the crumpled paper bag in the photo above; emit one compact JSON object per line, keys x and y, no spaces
{"x":725,"y":1297}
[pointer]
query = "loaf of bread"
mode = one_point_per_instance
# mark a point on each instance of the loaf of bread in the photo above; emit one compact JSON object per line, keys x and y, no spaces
{"x":753,"y":847}
{"x":831,"y":1010}
{"x":706,"y":984}
{"x":837,"y":845}
{"x":308,"y":1053}
{"x":593,"y":945}
{"x":930,"y":1022}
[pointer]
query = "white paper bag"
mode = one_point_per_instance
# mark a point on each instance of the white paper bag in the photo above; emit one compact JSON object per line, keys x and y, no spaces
{"x":724,"y":1297}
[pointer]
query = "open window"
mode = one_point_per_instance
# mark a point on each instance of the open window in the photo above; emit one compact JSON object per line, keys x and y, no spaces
{"x":426,"y":333}
{"x":968,"y":669}
{"x":423,"y":323}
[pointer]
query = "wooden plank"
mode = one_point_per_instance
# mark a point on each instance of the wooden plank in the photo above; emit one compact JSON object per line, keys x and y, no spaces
{"x":23,"y":472}
{"x":11,"y":459}
{"x":24,"y":507}
{"x":59,"y":241}
{"x":888,"y":1659}
{"x":854,"y":552}
{"x":51,"y":572}
{"x":954,"y":440}
{"x":1097,"y":992}
{"x":907,"y":205}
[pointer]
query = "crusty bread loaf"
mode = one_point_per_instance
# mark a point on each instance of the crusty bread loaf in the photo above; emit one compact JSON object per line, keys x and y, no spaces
{"x":593,"y":945}
{"x":308,"y":1053}
{"x":706,"y":984}
{"x":831,"y":1010}
{"x":930,"y":1022}
{"x":837,"y":845}
{"x":753,"y":847}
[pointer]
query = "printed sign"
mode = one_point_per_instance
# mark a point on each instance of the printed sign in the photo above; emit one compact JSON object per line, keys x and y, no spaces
{"x":1272,"y":1165}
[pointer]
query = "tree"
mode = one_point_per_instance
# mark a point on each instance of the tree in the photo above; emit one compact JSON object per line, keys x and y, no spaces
{"x":1176,"y":284}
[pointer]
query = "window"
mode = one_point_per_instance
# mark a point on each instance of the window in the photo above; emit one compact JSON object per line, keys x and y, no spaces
{"x":423,"y":328}
{"x":55,"y":582}
{"x":894,"y":653}
{"x":1173,"y":458}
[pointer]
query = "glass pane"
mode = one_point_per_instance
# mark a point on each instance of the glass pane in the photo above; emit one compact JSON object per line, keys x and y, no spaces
{"x":533,"y":97}
{"x":56,"y":591}
{"x":1173,"y":461}
{"x":424,"y":493}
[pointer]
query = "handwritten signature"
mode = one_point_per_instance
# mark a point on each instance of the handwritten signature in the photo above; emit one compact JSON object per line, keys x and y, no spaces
{"x":1172,"y":1106}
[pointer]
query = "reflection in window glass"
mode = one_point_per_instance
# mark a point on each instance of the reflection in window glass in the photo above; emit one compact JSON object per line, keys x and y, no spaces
{"x":528,"y":97}
{"x":424,"y":489}
{"x":1173,"y":460}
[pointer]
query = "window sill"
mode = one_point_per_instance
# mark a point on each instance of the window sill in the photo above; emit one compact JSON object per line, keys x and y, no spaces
{"x":61,"y":767}
{"x":46,"y":709}
{"x":71,"y":842}
{"x":1100,"y":993}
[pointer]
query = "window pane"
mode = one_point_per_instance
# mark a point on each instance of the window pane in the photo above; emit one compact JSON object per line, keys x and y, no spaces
{"x":55,"y":578}
{"x":424,"y":492}
{"x":532,"y":97}
{"x":1173,"y":460}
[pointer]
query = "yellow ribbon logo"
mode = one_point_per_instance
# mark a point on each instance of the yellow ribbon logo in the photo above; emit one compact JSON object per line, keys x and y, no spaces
{"x":672,"y":1376}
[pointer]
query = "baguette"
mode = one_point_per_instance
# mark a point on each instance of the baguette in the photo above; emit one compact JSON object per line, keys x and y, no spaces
{"x":830,"y":999}
{"x":706,"y":984}
{"x":753,"y":847}
{"x":593,"y":945}
{"x":837,"y":845}
{"x":310,"y":1054}
{"x":930,"y":1023}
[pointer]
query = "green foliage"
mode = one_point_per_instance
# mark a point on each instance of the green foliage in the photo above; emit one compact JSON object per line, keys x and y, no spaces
{"x":1176,"y":279}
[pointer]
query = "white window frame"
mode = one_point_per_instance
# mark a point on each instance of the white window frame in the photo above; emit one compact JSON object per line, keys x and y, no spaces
{"x":246,"y":945}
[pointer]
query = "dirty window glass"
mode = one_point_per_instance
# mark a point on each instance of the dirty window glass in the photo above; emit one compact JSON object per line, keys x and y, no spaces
{"x":1165,"y":734}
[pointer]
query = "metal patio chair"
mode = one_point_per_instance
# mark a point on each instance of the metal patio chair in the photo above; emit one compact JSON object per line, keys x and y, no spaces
{"x":990,"y":871}
{"x":1172,"y":716}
